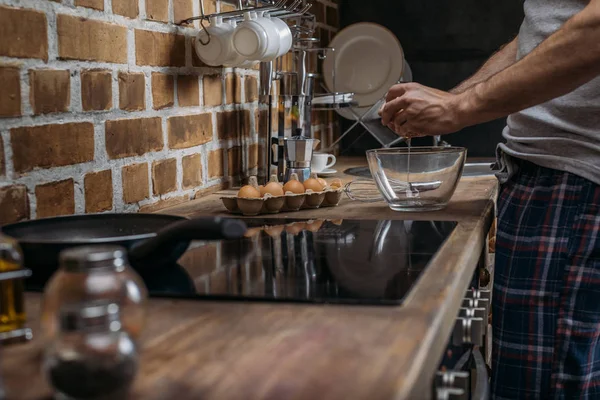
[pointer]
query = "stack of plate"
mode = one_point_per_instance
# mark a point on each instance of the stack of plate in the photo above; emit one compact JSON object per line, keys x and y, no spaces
{"x":368,"y":60}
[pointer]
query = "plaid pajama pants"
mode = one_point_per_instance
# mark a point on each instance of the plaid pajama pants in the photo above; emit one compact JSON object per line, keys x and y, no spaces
{"x":546,"y":300}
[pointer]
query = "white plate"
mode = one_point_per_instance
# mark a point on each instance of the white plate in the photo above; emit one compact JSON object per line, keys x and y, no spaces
{"x":327,"y":172}
{"x":361,"y":111}
{"x":368,"y":60}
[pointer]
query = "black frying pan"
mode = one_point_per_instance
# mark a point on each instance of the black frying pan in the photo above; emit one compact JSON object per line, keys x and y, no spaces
{"x":152,"y":240}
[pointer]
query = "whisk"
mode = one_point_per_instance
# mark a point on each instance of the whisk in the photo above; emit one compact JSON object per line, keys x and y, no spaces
{"x":366,"y":190}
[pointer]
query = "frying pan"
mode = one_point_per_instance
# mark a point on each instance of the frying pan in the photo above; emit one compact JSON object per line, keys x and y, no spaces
{"x":152,"y":240}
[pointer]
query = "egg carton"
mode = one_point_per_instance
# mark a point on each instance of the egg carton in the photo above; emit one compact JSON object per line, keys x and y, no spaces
{"x":269,"y":204}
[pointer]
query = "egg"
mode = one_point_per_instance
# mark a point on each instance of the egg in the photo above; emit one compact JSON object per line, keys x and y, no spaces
{"x":336,"y":183}
{"x":249,"y":192}
{"x":314,"y":185}
{"x":294,"y":186}
{"x":322,"y":181}
{"x":272,"y":188}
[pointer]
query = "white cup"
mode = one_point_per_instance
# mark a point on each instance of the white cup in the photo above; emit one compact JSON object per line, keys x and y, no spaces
{"x":320,"y":162}
{"x":257,"y":38}
{"x":285,"y":36}
{"x":219,"y":50}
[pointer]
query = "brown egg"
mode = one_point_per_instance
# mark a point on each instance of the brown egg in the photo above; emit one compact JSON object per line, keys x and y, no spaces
{"x":249,"y":192}
{"x":322,"y":181}
{"x":336,"y":183}
{"x":294,"y":186}
{"x":272,"y":188}
{"x":314,"y":185}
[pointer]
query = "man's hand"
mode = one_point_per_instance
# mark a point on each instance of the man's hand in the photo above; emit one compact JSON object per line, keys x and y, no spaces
{"x":414,"y":110}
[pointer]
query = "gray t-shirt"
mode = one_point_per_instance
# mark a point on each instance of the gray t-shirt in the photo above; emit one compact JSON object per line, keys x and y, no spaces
{"x":564,"y":133}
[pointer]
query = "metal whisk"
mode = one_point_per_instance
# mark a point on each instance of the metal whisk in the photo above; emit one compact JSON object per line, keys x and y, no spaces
{"x":366,"y":191}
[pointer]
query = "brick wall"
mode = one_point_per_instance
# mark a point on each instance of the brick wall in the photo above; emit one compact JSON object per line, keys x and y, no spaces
{"x":105,"y":107}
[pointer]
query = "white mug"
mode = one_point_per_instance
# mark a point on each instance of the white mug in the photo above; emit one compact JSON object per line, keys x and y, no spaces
{"x":285,"y":36}
{"x":257,"y":38}
{"x":219,"y":50}
{"x":320,"y":162}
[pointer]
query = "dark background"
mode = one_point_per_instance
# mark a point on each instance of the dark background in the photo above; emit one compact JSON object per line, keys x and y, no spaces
{"x":445,"y":42}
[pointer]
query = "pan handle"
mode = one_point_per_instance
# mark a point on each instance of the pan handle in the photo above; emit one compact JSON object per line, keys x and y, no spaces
{"x":168,"y":238}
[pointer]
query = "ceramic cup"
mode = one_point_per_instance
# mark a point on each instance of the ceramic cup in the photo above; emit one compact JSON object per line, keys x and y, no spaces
{"x":257,"y":38}
{"x":321,"y":161}
{"x":219,"y":50}
{"x":285,"y":36}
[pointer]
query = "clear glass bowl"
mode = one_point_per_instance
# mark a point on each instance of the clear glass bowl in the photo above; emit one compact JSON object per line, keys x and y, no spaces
{"x":423,"y":179}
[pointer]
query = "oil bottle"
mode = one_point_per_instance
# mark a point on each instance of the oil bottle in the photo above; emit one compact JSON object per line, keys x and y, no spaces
{"x":12,"y":302}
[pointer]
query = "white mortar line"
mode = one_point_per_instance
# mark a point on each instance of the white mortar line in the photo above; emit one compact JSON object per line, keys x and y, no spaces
{"x":76,"y":101}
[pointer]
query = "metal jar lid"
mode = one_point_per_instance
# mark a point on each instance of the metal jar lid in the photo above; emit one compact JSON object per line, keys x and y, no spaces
{"x":100,"y":315}
{"x":83,"y":258}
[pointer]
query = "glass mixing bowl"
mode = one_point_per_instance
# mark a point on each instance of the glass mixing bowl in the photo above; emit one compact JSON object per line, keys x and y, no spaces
{"x":423,"y":179}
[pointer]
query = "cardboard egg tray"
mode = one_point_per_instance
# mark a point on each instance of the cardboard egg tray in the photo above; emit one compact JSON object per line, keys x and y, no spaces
{"x":330,"y":197}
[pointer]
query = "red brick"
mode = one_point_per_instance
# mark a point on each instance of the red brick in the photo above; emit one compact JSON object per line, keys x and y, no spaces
{"x":86,"y":39}
{"x":55,"y":198}
{"x":159,"y":49}
{"x":52,"y":145}
{"x":163,"y":90}
{"x":215,"y":164}
{"x":163,"y":204}
{"x":96,"y":90}
{"x":14,"y":204}
{"x":164,"y":176}
{"x":235,"y":161}
{"x":96,"y":4}
{"x":213,"y":90}
{"x":192,"y":171}
{"x":135,"y":183}
{"x":133,"y":137}
{"x":126,"y":8}
{"x":132,"y":88}
{"x":158,"y":10}
{"x":188,"y":92}
{"x":189,"y":130}
{"x":251,"y":85}
{"x":233,"y":124}
{"x":182,"y":9}
{"x":50,"y":90}
{"x":24,"y":33}
{"x":10,"y":100}
{"x":98,"y":191}
{"x":233,"y":89}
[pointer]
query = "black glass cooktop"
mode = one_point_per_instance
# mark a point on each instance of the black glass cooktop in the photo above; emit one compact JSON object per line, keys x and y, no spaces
{"x":340,"y":261}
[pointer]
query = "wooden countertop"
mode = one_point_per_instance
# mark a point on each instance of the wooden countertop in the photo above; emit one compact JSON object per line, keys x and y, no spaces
{"x":212,"y":350}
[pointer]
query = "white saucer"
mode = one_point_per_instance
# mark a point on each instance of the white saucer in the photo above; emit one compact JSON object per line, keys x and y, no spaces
{"x":327,"y":172}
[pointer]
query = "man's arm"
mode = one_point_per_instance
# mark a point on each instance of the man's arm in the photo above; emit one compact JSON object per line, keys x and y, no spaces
{"x":563,"y":62}
{"x":502,"y":59}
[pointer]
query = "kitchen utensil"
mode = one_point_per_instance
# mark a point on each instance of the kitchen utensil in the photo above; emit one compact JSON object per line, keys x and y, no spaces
{"x":285,"y":36}
{"x":257,"y":37}
{"x":368,"y":61}
{"x":440,"y":165}
{"x":91,"y":358}
{"x":95,"y":273}
{"x":219,"y":49}
{"x":151,"y":239}
{"x":298,"y":156}
{"x":366,"y":190}
{"x":322,"y":161}
{"x":326,"y":173}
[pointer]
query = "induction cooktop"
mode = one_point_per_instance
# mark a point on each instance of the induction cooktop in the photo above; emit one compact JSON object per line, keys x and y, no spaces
{"x":319,"y":261}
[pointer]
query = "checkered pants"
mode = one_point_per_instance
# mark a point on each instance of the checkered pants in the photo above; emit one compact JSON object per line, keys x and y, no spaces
{"x":546,"y":300}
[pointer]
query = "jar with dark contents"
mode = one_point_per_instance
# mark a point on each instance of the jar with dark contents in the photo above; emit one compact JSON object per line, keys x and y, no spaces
{"x":91,"y":357}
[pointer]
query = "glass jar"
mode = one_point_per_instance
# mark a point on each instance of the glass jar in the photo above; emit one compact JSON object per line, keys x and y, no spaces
{"x":90,"y":357}
{"x":12,"y":302}
{"x":94,"y":273}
